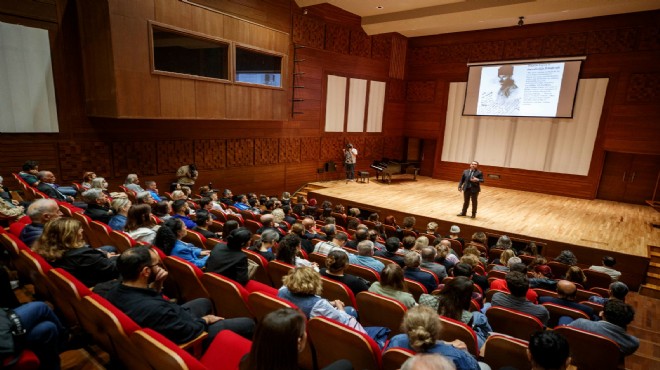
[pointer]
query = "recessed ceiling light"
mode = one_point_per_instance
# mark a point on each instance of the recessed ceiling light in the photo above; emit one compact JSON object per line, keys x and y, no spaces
{"x":379,"y":7}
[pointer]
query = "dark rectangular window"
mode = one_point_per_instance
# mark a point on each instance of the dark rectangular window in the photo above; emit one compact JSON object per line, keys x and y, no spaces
{"x":188,"y":54}
{"x":258,"y":68}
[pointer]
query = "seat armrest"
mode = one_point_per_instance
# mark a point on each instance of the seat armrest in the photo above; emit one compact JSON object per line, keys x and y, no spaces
{"x":194,"y":346}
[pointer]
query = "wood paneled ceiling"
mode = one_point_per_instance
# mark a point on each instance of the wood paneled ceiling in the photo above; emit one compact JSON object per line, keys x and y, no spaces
{"x":431,"y":17}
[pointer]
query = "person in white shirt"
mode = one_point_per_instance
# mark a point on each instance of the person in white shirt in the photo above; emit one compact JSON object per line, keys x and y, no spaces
{"x":350,"y":157}
{"x":607,"y":267}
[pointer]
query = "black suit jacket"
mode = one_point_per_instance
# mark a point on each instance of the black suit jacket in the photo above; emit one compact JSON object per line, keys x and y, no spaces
{"x":227,"y":262}
{"x":50,"y":191}
{"x":467,"y":185}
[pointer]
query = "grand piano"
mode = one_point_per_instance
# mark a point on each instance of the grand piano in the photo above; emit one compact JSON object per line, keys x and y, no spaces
{"x":387,"y":168}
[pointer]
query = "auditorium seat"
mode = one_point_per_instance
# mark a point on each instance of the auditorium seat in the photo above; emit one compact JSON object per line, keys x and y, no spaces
{"x":603,"y":292}
{"x":261,"y":275}
{"x":253,"y":225}
{"x":261,"y":304}
{"x":335,"y":341}
{"x":333,"y":290}
{"x":415,"y":288}
{"x":501,"y":350}
{"x":491,"y":292}
{"x":27,"y":360}
{"x":234,"y":217}
{"x":195,"y":238}
{"x":590,"y":350}
{"x":229,"y":297}
{"x":36,"y":269}
{"x":378,"y":310}
{"x":597,"y":279}
{"x":219,"y":215}
{"x":557,"y":311}
{"x":583,"y":295}
{"x":276,"y":271}
{"x":122,"y":241}
{"x":68,"y":293}
{"x":453,"y":329}
{"x":101,"y":233}
{"x":514,"y":323}
{"x":184,"y":280}
{"x":366,"y":273}
{"x":558,"y":269}
{"x":394,"y":357}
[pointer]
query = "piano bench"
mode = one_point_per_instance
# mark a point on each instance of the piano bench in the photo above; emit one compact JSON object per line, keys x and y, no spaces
{"x":363,"y":176}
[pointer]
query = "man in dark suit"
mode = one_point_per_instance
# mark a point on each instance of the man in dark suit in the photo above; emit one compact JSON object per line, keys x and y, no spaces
{"x":470,"y":185}
{"x":47,"y":186}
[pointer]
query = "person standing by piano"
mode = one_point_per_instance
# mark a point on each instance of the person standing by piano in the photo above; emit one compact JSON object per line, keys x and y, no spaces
{"x":350,"y":157}
{"x":470,"y":185}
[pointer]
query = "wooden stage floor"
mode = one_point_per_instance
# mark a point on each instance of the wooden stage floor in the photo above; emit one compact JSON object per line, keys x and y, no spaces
{"x":599,"y":224}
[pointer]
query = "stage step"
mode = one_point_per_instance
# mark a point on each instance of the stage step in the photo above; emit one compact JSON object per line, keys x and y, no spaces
{"x":654,"y":267}
{"x":652,"y":278}
{"x":650,"y":290}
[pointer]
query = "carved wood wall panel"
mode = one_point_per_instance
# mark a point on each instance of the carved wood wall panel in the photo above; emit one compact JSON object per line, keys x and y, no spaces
{"x":337,"y":38}
{"x":396,"y":90}
{"x":331,"y":149}
{"x":173,"y":154}
{"x":210,"y":154}
{"x":565,"y":44}
{"x":644,"y":88}
{"x":127,"y":156}
{"x":310,"y":148}
{"x":398,"y":59}
{"x":80,"y":156}
{"x":266,"y":151}
{"x":423,"y":55}
{"x":649,"y":38}
{"x":454,"y":53}
{"x":420,"y":91}
{"x":523,"y":48}
{"x":360,"y":43}
{"x":485,"y":51}
{"x":612,"y":41}
{"x":240,"y":152}
{"x":373,"y":147}
{"x":289,"y":150}
{"x":381,"y":45}
{"x":308,"y":31}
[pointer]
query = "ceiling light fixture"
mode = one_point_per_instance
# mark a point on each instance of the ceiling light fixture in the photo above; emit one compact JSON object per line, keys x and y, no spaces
{"x":521,"y":21}
{"x":379,"y":7}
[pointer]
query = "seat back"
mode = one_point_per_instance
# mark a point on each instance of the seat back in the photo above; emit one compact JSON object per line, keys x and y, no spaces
{"x":101,"y":233}
{"x":390,"y":231}
{"x":385,"y":261}
{"x":121,"y":241}
{"x":456,"y":246}
{"x":161,"y":353}
{"x":501,"y":350}
{"x":317,"y":257}
{"x":90,"y":236}
{"x":366,"y":273}
{"x":333,"y":290}
{"x":557,"y":311}
{"x":394,"y":357}
{"x":545,"y":293}
{"x":453,"y":329}
{"x":219,"y":215}
{"x":248,"y":215}
{"x":261,"y":275}
{"x":36,"y":270}
{"x":70,"y":292}
{"x":185,"y":279}
{"x":432,"y":274}
{"x":590,"y":350}
{"x":594,"y":306}
{"x":16,"y":228}
{"x":597,"y":279}
{"x":195,"y":238}
{"x":514,"y":323}
{"x":334,"y":341}
{"x":276,"y":271}
{"x":496,"y":274}
{"x":229,"y":297}
{"x":604,"y":292}
{"x":378,"y":310}
{"x":558,"y":269}
{"x":111,"y":329}
{"x":492,"y":292}
{"x":234,"y":217}
{"x":415,"y":288}
{"x":261,"y":304}
{"x":9,"y":244}
{"x":583,"y":295}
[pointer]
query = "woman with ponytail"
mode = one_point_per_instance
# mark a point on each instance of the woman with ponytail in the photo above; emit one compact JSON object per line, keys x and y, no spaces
{"x":168,"y":239}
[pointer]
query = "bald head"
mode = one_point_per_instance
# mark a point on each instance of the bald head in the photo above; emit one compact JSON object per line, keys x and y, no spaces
{"x":308,"y":223}
{"x":566,"y":289}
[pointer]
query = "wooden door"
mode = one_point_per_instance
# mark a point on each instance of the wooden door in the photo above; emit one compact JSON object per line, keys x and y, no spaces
{"x":629,"y":178}
{"x":428,"y":158}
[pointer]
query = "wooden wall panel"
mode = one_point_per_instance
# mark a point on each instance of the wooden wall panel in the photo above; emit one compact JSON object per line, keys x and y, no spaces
{"x":310,"y":148}
{"x":177,"y":98}
{"x":266,"y":151}
{"x":210,"y":154}
{"x":174,"y":154}
{"x":210,"y":98}
{"x":133,"y":156}
{"x":140,"y":95}
{"x":289,"y":150}
{"x":77,"y":157}
{"x":360,"y":43}
{"x":240,"y":152}
{"x":270,"y":13}
{"x":622,"y":48}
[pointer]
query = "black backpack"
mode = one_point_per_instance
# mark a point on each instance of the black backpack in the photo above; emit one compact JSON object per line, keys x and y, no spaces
{"x":12,"y":335}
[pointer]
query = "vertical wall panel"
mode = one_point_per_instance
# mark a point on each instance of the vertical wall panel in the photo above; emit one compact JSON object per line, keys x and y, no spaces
{"x":376,"y":106}
{"x":357,"y":96}
{"x":335,"y":104}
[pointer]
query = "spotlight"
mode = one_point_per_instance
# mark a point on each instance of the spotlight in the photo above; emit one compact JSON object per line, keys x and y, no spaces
{"x":521,"y":21}
{"x":305,"y":11}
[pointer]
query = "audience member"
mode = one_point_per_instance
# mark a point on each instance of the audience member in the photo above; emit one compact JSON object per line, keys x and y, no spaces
{"x":421,"y":333}
{"x":299,"y":230}
{"x":502,"y":263}
{"x":365,"y":256}
{"x":616,"y":316}
{"x":278,"y":340}
{"x":163,"y":210}
{"x":241,"y":202}
{"x":501,"y":284}
{"x":454,"y":232}
{"x":444,"y":256}
{"x":202,"y":221}
{"x":518,"y":285}
{"x":408,"y":243}
{"x":566,"y":292}
{"x":120,"y":207}
{"x":428,"y":262}
{"x":168,"y":239}
{"x":413,"y":272}
{"x":567,"y":258}
{"x":463,"y":269}
{"x":100,"y":183}
{"x":288,"y":250}
{"x":40,"y":212}
{"x":548,"y":350}
{"x":264,"y":246}
{"x":335,"y":264}
{"x":47,"y":186}
{"x":618,"y":290}
{"x":152,"y":188}
{"x":574,"y":274}
{"x":62,"y":244}
{"x":139,"y":224}
{"x":392,"y":285}
{"x":139,"y":297}
{"x":428,"y":361}
{"x":132,"y":183}
{"x":432,"y":229}
{"x":325,"y":247}
{"x":98,"y":208}
{"x":181,"y":210}
{"x":420,"y":242}
{"x":228,"y":259}
{"x":608,"y":268}
{"x":144,"y":197}
{"x":30,"y":172}
{"x":187,"y":174}
{"x":361,"y":233}
{"x":504,"y":242}
{"x":390,"y":252}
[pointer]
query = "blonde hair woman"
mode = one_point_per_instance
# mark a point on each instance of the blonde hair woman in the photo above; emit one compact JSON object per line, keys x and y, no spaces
{"x":420,"y":243}
{"x":302,"y":287}
{"x":502,"y":263}
{"x":421,"y":333}
{"x":63,"y":245}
